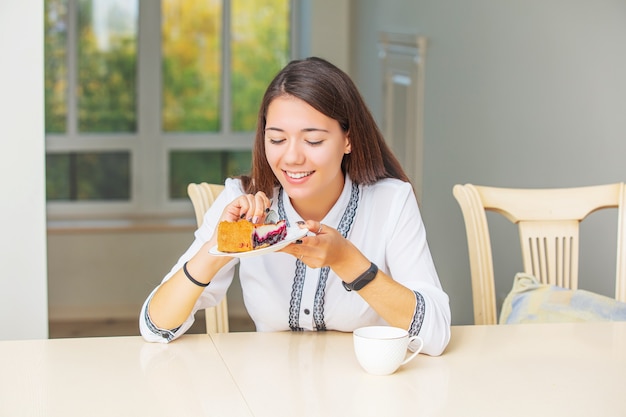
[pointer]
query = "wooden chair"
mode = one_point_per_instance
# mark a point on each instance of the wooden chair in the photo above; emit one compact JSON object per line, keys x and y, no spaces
{"x":202,"y":195}
{"x":548,"y":223}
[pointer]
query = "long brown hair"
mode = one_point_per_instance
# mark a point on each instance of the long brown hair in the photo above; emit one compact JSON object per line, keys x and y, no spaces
{"x":331,"y":92}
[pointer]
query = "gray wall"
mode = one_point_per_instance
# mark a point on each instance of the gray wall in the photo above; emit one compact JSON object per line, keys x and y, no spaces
{"x":517,"y":93}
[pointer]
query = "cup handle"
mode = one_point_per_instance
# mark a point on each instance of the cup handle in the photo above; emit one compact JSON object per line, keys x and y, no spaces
{"x":417,"y":351}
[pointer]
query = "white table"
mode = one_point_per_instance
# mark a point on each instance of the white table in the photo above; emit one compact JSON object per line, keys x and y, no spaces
{"x":517,"y":370}
{"x":523,"y":370}
{"x":116,"y":376}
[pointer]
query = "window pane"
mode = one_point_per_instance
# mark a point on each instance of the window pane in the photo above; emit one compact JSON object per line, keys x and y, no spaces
{"x":260,"y":48}
{"x":88,"y":176}
{"x":55,"y":40}
{"x":191,"y":49}
{"x":107,"y":65}
{"x":205,"y":166}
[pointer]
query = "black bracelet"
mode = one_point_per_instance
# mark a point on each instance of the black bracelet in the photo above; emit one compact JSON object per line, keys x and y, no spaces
{"x":363,"y":279}
{"x":198,"y":283}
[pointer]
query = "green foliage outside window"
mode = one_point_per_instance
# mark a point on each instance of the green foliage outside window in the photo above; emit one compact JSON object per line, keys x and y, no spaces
{"x":192,"y":43}
{"x":192,"y":90}
{"x":55,"y":29}
{"x":107,"y":72}
{"x":260,"y":48}
{"x":207,"y":166}
{"x":92,"y":176}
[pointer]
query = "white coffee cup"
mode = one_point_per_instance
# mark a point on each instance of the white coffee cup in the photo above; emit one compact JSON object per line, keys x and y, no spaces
{"x":381,"y":350}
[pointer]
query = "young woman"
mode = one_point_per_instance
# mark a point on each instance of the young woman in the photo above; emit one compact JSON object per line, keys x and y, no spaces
{"x":321,"y":162}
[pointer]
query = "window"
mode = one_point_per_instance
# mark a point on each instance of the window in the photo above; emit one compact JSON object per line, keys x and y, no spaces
{"x":143,"y":97}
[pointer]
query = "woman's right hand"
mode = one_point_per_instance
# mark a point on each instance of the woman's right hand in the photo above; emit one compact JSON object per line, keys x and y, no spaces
{"x":174,"y":300}
{"x":247,"y":206}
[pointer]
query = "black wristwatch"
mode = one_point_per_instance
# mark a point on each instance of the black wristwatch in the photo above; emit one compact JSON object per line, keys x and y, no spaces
{"x":363,"y":279}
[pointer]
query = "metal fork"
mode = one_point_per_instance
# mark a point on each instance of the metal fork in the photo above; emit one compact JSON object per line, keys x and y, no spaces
{"x":271,"y":217}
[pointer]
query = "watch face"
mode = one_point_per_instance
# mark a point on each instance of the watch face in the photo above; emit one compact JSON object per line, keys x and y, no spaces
{"x":362,"y":282}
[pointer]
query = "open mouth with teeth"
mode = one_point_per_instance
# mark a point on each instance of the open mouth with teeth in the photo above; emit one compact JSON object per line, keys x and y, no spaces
{"x":298,"y":175}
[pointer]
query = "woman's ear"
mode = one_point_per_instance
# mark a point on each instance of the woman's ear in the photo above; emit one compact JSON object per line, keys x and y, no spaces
{"x":348,"y":147}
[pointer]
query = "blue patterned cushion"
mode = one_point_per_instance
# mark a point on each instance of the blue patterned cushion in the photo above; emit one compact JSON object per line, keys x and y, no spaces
{"x":532,"y":302}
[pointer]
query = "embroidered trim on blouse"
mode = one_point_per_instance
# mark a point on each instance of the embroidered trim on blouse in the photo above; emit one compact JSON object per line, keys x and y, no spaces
{"x":298,"y":283}
{"x":418,"y":315}
{"x":165,"y":334}
{"x":318,"y":303}
{"x":296,"y":296}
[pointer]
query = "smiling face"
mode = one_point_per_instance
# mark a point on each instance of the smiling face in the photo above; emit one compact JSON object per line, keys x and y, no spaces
{"x":305,"y":148}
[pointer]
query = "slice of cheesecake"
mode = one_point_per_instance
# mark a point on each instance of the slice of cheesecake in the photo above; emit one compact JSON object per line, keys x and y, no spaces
{"x":244,"y":236}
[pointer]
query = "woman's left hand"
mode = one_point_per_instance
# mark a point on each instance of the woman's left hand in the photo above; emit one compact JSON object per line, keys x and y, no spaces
{"x":326,"y":248}
{"x":393,"y":301}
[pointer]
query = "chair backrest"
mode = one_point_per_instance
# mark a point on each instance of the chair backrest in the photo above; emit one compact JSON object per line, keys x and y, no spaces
{"x":202,"y":195}
{"x":548,"y":222}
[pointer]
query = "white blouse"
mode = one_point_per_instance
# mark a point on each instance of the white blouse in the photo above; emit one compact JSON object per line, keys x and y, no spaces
{"x":281,"y":293}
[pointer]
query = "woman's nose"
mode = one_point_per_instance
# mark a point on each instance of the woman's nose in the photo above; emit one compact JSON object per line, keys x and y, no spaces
{"x":293,"y":153}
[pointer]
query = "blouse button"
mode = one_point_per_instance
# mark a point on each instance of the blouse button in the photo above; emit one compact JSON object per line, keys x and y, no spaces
{"x":307,"y":311}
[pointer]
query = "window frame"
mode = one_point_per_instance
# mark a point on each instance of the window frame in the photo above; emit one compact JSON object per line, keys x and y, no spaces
{"x":149,"y":146}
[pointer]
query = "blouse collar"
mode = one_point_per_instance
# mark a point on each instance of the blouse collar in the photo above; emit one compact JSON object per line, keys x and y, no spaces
{"x":331,"y":218}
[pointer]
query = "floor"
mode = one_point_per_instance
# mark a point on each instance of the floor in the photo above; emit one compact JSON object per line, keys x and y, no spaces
{"x":114,"y":327}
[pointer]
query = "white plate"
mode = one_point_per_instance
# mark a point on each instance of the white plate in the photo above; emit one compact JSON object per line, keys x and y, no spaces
{"x":293,"y":234}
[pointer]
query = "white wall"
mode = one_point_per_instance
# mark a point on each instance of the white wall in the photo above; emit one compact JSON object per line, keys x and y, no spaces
{"x":23,"y":300}
{"x":518,"y":93}
{"x":108,"y":274}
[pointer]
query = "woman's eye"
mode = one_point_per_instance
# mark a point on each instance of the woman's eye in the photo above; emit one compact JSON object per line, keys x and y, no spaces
{"x":314,"y":142}
{"x":275,"y":141}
